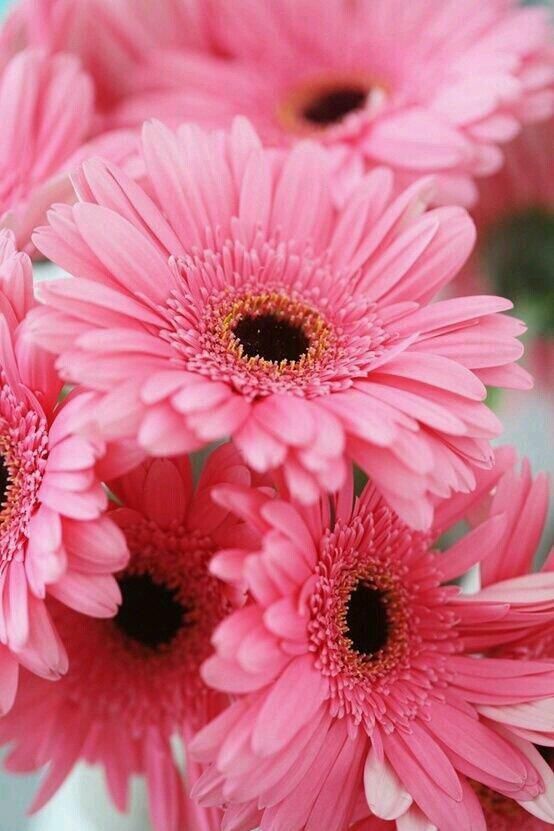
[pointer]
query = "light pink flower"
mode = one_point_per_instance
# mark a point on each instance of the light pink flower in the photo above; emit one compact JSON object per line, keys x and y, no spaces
{"x":109,"y":37}
{"x":420,"y":86}
{"x":134,"y":682}
{"x":53,"y":537}
{"x":355,"y":671}
{"x":231,"y":298}
{"x":83,"y":28}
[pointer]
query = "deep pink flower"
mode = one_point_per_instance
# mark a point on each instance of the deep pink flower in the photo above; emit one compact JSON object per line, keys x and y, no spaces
{"x":420,"y":88}
{"x":133,"y":681}
{"x":53,"y":537}
{"x":355,"y":670}
{"x":231,"y":298}
{"x":524,"y":502}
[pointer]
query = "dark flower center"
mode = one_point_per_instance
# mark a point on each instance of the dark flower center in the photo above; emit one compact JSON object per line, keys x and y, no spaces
{"x":271,"y":337}
{"x":4,"y":480}
{"x":332,"y":105}
{"x":150,"y":612}
{"x":519,"y":256}
{"x":367,"y":620}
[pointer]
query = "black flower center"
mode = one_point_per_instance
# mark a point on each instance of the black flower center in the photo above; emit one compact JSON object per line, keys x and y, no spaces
{"x":332,"y":105}
{"x":367,"y":621}
{"x":519,"y":256}
{"x":4,"y":480}
{"x":150,"y":612}
{"x":271,"y":337}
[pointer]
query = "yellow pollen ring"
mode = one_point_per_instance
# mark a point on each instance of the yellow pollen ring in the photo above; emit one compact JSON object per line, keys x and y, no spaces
{"x":293,"y":106}
{"x":397,"y":645}
{"x":295,"y":312}
{"x":7,"y":506}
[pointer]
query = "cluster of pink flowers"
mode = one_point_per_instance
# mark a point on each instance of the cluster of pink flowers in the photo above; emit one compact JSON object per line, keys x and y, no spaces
{"x":247,"y":452}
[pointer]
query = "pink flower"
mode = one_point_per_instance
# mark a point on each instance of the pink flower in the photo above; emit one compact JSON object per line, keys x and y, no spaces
{"x":355,"y":671}
{"x":109,"y":37}
{"x":134,"y":681}
{"x":86,"y":30}
{"x":229,"y":297}
{"x":53,"y":537}
{"x":525,"y":501}
{"x":419,"y":88}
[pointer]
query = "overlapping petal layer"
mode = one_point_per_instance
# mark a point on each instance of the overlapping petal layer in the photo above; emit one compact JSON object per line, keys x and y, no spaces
{"x":133,"y":683}
{"x":357,"y":674}
{"x":54,"y":538}
{"x":229,"y":297}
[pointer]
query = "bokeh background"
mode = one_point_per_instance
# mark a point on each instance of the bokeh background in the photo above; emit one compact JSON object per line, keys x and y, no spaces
{"x":81,"y":805}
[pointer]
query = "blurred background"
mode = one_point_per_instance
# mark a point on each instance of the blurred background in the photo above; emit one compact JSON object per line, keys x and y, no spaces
{"x":81,"y":805}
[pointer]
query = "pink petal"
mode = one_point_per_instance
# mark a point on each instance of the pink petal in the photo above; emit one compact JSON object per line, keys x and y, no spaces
{"x":95,"y":595}
{"x":285,"y":518}
{"x":472,"y":548}
{"x":163,"y":432}
{"x":128,"y":255}
{"x":165,"y":788}
{"x":292,"y":701}
{"x":97,"y":546}
{"x":163,"y":478}
{"x":419,"y":139}
{"x":472,"y":740}
{"x":9,"y":674}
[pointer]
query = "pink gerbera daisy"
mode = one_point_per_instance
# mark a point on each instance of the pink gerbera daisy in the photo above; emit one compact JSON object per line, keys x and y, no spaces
{"x":134,"y":681}
{"x":231,"y":298}
{"x":85,"y":29}
{"x":420,"y":86}
{"x":355,"y":669}
{"x":524,"y":502}
{"x":52,"y":534}
{"x":109,"y":37}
